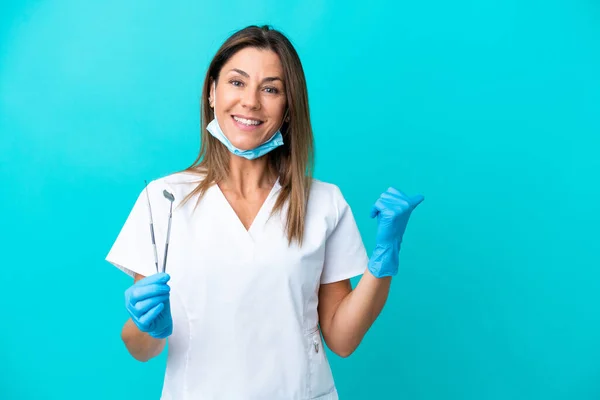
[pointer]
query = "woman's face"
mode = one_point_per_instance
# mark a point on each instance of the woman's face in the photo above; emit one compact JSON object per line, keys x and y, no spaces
{"x":250,"y":100}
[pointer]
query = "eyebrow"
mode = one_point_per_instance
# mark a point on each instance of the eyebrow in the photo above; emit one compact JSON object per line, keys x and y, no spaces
{"x":267,"y":79}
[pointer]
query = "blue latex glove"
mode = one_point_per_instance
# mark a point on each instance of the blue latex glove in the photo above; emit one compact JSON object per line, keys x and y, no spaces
{"x":392,"y":209}
{"x":148,"y":304}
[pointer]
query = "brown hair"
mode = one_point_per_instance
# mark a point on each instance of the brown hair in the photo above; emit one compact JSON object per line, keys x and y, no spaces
{"x":294,"y":160}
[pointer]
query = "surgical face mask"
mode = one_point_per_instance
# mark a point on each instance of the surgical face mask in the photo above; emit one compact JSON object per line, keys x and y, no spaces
{"x":215,"y":130}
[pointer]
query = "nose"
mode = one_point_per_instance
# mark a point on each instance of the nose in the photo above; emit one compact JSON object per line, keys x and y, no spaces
{"x":250,"y":99}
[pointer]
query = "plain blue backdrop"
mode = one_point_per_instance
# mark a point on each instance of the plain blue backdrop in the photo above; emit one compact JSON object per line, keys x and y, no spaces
{"x":490,"y":109}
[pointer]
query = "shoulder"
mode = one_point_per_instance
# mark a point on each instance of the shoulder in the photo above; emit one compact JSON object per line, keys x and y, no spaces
{"x":328,"y":197}
{"x":321,"y":190}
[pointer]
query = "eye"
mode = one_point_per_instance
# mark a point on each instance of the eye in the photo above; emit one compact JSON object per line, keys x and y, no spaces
{"x":272,"y":90}
{"x":235,"y":82}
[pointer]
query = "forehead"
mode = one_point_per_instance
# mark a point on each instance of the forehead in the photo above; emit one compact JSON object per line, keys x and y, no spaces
{"x":255,"y":62}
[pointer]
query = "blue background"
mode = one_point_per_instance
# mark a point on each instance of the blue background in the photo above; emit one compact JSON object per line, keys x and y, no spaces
{"x":487,"y":108}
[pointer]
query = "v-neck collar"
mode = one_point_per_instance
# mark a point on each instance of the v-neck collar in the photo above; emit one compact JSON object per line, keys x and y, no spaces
{"x":260,"y":217}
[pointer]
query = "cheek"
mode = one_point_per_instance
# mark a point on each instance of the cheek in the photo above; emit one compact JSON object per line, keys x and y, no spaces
{"x":222,"y":115}
{"x":226,"y":100}
{"x":277,"y":111}
{"x":224,"y":109}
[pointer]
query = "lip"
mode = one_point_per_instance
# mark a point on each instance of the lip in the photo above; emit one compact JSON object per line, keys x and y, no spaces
{"x":246,"y":128}
{"x":246,"y":117}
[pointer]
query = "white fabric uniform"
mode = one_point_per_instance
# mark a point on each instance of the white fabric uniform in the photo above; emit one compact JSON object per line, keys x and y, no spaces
{"x":243,"y":302}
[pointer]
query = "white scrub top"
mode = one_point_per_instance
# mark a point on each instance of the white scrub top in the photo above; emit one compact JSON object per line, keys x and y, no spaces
{"x":243,"y":302}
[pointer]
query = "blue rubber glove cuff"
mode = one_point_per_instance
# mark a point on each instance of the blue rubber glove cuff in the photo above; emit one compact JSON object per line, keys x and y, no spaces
{"x":162,"y":335}
{"x":384,"y":260}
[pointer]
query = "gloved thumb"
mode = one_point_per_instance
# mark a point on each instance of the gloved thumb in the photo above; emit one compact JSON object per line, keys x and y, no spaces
{"x":416,"y":200}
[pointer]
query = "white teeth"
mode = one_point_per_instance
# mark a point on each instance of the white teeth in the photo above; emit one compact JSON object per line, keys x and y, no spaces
{"x":246,"y":121}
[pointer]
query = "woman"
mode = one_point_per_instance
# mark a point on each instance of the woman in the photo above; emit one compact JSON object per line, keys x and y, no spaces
{"x":260,"y":253}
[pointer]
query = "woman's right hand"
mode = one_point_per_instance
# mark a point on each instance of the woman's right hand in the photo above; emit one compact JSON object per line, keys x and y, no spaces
{"x":148,"y":304}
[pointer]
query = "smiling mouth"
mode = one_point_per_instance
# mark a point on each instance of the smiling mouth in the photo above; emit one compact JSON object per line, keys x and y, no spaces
{"x":246,"y":121}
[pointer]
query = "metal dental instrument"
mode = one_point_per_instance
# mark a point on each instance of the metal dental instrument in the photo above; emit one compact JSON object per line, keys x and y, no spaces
{"x":171,"y":198}
{"x":152,"y":229}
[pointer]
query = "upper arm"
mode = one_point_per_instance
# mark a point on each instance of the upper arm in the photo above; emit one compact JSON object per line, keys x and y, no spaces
{"x":345,"y":255}
{"x":330,"y":297}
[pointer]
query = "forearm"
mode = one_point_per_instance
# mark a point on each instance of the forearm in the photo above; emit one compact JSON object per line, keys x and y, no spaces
{"x":140,"y":345}
{"x":357,"y":312}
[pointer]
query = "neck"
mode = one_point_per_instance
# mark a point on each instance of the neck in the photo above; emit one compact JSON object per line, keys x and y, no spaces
{"x":247,"y":176}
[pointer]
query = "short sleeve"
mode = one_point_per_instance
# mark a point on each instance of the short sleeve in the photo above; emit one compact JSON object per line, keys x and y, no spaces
{"x":345,"y":253}
{"x":132,"y":252}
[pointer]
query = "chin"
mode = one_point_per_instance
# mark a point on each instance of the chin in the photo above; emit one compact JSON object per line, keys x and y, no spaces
{"x":245,"y":143}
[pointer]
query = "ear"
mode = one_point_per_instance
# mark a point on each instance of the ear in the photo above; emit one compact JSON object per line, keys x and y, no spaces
{"x":211,"y":94}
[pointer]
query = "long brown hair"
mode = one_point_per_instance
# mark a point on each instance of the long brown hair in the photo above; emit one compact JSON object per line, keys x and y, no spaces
{"x":294,"y":161}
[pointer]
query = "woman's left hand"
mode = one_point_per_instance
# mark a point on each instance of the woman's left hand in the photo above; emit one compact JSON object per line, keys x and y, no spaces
{"x":393,"y":210}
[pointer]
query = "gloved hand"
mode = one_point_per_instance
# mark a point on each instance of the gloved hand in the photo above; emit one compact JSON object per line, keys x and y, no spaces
{"x":148,"y":304}
{"x":392,"y":209}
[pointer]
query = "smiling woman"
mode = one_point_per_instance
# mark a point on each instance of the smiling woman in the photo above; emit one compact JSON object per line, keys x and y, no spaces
{"x":260,"y":263}
{"x":254,"y":102}
{"x":257,"y":75}
{"x":259,"y":103}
